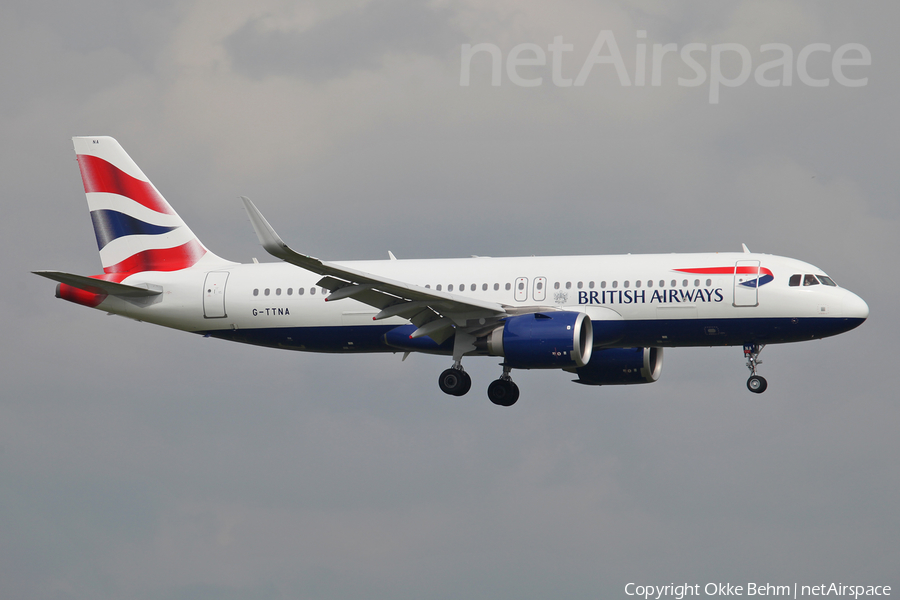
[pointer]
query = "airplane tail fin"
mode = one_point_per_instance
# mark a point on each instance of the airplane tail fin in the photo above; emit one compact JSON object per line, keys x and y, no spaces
{"x":136,"y":229}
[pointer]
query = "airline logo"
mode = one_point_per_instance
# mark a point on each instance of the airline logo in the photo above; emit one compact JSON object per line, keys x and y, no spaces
{"x":135,"y":227}
{"x":764,"y":274}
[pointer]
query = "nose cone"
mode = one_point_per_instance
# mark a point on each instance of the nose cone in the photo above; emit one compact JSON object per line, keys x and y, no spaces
{"x":855,"y":307}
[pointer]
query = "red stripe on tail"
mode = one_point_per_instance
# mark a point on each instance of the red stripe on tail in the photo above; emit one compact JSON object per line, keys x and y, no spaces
{"x":99,"y":175}
{"x":165,"y":259}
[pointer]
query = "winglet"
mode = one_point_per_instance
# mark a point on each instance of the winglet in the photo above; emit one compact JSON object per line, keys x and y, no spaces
{"x":267,"y":236}
{"x":746,"y":249}
{"x":272,"y":242}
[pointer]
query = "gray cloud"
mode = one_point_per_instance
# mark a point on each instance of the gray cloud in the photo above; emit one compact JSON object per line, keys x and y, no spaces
{"x":357,"y":39}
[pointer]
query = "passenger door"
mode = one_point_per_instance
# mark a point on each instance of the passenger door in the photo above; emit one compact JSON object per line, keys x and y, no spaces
{"x":746,"y":283}
{"x":214,"y":294}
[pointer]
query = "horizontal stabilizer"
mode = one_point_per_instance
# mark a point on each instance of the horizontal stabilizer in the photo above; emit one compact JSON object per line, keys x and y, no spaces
{"x":98,"y":286}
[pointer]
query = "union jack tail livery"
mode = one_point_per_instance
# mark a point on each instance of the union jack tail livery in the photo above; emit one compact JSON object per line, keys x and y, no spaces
{"x":136,"y":229}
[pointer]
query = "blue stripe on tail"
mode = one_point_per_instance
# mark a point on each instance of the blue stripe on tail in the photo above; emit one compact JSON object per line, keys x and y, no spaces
{"x":110,"y":225}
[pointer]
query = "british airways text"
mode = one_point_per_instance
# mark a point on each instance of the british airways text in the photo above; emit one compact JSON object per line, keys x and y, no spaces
{"x":643,"y":297}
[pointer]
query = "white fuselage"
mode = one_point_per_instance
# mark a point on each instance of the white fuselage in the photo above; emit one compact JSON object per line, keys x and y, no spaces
{"x":278,"y":304}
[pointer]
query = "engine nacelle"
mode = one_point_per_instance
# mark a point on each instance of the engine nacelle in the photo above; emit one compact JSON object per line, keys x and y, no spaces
{"x":621,"y":366}
{"x":544,"y":340}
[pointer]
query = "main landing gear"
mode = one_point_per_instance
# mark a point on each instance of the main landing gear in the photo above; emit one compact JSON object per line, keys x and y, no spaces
{"x":456,"y":382}
{"x":503,"y":392}
{"x":757,"y":383}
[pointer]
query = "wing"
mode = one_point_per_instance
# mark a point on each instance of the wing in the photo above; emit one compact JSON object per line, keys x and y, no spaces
{"x":434,"y":313}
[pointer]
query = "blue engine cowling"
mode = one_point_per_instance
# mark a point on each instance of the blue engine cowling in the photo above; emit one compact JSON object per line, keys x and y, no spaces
{"x":544,"y":340}
{"x":621,"y":366}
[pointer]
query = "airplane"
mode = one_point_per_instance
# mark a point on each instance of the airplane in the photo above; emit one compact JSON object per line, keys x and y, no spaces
{"x":606,"y":319}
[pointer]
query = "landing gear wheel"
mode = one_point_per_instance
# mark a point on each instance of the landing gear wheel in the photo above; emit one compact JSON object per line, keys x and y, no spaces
{"x":503,"y":392}
{"x":757,"y":384}
{"x":455,"y":382}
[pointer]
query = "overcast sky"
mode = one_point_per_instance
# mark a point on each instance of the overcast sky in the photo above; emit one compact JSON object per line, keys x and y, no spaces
{"x":139,"y":462}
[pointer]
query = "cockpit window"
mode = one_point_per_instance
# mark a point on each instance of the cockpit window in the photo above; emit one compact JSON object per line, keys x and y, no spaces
{"x":827,"y":280}
{"x":795,"y":280}
{"x":810,"y":280}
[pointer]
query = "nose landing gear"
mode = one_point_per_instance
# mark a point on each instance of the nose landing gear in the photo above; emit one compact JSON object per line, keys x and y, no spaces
{"x":756,"y":384}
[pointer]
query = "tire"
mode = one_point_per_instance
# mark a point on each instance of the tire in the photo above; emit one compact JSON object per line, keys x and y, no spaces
{"x":455,"y":382}
{"x":503,"y":392}
{"x":757,"y":384}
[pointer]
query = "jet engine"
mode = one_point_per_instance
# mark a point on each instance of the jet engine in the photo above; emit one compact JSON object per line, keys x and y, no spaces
{"x":543,"y":340}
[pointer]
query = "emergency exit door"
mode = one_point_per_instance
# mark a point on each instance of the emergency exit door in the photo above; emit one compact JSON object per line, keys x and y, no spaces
{"x":521,"y":289}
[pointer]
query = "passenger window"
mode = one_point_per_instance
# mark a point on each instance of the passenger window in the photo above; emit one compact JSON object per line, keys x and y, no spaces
{"x":300,"y":291}
{"x":827,"y":280}
{"x":508,"y":286}
{"x":473,"y":287}
{"x":568,"y":285}
{"x":602,"y":285}
{"x":696,"y":283}
{"x":674,"y":283}
{"x":266,"y":292}
{"x":580,"y":285}
{"x":810,"y":280}
{"x":615,"y":284}
{"x":496,"y":286}
{"x":438,"y":287}
{"x":277,"y":291}
{"x":484,"y":287}
{"x":556,"y":286}
{"x":591,"y":284}
{"x":450,"y":287}
{"x":662,"y":283}
{"x":290,"y":291}
{"x":521,"y":286}
{"x":256,"y":292}
{"x":540,"y":285}
{"x":637,"y":283}
{"x":649,"y":283}
{"x":684,"y":283}
{"x":626,"y":284}
{"x":794,"y":281}
{"x":312,"y":291}
{"x":708,"y":282}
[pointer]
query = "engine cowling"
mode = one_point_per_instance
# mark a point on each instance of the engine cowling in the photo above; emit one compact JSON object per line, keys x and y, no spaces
{"x":543,"y":340}
{"x":621,"y":366}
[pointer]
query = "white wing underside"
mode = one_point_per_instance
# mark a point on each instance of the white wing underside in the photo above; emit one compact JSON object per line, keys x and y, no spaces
{"x":434,"y":313}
